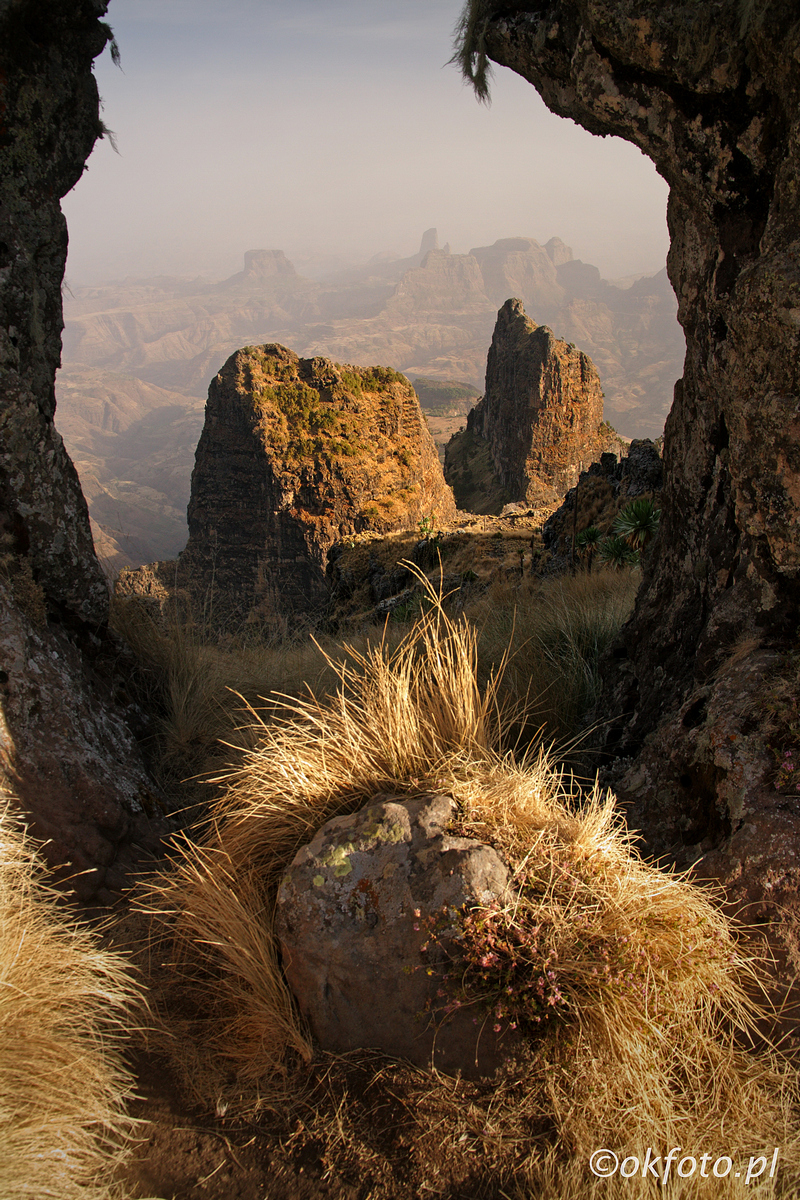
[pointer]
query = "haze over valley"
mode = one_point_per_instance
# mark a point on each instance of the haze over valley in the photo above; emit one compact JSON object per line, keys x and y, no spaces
{"x":139,"y":355}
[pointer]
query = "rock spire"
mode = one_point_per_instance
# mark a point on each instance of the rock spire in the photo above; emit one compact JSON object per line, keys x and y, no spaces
{"x":541,"y":411}
{"x":295,"y":455}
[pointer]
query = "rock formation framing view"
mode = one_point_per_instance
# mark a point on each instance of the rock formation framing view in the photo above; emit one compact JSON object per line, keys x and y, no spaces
{"x":390,"y":792}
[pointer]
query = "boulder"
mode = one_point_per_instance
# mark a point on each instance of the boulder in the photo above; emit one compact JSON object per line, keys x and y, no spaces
{"x":354,"y":912}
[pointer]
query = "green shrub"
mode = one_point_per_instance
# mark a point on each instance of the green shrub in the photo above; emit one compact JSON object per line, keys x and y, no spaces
{"x":616,"y":552}
{"x":637,"y":523}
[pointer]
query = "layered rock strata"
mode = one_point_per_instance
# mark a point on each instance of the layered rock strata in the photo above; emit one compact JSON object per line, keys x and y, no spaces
{"x":67,"y":757}
{"x":712,"y":94}
{"x":295,"y":455}
{"x":541,"y":412}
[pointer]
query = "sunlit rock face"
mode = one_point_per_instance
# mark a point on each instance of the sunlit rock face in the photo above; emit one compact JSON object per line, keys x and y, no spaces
{"x":295,"y":455}
{"x":711,"y":93}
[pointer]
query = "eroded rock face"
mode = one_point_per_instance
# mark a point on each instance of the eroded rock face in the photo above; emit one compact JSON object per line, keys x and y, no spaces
{"x":295,"y":455}
{"x":67,"y":755}
{"x":639,"y":472}
{"x":542,"y":409}
{"x":49,"y":123}
{"x":67,"y":758}
{"x":712,"y":94}
{"x":351,"y":918}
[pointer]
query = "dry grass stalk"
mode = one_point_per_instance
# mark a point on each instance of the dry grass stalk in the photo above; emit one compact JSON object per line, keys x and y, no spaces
{"x":65,"y":1009}
{"x":554,"y":631}
{"x":647,"y":1049}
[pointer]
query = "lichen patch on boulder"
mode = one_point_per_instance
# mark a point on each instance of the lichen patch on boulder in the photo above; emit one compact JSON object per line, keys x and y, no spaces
{"x":354,"y":913}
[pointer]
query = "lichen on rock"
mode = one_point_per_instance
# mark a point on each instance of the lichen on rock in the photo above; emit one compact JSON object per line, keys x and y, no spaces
{"x":353,"y":917}
{"x":295,"y":455}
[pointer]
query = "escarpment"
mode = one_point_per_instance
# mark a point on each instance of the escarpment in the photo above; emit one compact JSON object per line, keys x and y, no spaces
{"x":297,"y":454}
{"x":67,"y":757}
{"x":541,"y":411}
{"x":712,"y":95}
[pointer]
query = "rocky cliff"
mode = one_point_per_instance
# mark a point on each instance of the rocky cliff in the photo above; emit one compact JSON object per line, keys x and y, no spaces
{"x":295,"y":455}
{"x":151,"y":347}
{"x":541,"y":412}
{"x":712,"y":94}
{"x":67,"y":758}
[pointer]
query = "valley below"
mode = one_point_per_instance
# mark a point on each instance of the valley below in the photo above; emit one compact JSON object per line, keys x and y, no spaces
{"x":139,"y":355}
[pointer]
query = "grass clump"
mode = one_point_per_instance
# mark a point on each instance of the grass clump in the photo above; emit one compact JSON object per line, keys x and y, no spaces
{"x":556,"y":631}
{"x":643,"y":983}
{"x":65,"y":1007}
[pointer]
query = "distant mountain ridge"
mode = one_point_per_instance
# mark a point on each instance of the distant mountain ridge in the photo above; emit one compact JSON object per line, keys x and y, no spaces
{"x":135,"y":348}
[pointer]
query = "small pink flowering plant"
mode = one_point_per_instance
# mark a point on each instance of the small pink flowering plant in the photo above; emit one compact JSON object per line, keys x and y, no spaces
{"x":531,"y":963}
{"x":503,"y":968}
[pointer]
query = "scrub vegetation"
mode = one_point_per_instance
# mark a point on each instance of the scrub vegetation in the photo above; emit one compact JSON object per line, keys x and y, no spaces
{"x":630,"y":985}
{"x":67,"y":1010}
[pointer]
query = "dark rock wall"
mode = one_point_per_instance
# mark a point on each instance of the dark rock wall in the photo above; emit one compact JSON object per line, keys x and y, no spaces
{"x":711,"y":94}
{"x":48,"y":125}
{"x":68,"y":760}
{"x":542,"y":409}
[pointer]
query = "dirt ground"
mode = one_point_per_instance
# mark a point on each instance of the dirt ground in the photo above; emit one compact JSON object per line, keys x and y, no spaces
{"x":362,"y":1129}
{"x":352,"y":1127}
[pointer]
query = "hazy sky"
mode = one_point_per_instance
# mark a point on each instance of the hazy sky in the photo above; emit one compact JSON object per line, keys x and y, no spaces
{"x":334,"y":126}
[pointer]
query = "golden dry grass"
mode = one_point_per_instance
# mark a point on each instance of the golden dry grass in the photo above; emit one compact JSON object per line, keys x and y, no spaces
{"x":65,"y":1008}
{"x":199,"y":686}
{"x":555,"y":631}
{"x":650,"y":1047}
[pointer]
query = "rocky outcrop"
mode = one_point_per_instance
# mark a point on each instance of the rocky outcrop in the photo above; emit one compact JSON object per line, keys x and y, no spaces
{"x":68,"y":759}
{"x":66,"y":756}
{"x":260,"y":264}
{"x":601,"y":492}
{"x":521,"y":267}
{"x":295,"y":455}
{"x":712,"y":95}
{"x":48,"y":124}
{"x":168,"y":337}
{"x":542,"y":410}
{"x":367,"y":917}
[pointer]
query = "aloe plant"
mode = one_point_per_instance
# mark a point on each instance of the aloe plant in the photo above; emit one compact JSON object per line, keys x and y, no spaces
{"x":637,"y":523}
{"x":616,"y":552}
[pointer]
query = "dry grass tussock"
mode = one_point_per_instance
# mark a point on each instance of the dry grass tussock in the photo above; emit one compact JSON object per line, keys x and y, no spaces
{"x":201,"y":687}
{"x":65,"y":1008}
{"x":648,"y":1044}
{"x":554,"y":632}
